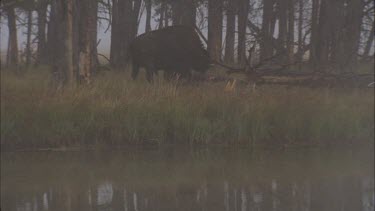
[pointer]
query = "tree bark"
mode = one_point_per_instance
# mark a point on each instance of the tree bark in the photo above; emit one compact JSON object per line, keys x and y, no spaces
{"x":290,"y":39}
{"x":114,"y":51}
{"x":28,"y":37}
{"x":189,"y":13}
{"x":135,"y":9}
{"x":215,"y":26}
{"x":183,"y":12}
{"x":243,"y":12}
{"x":354,"y":20}
{"x":283,"y":27}
{"x":124,"y":30}
{"x":1,"y":55}
{"x":162,"y":13}
{"x":68,"y":42}
{"x":300,"y":31}
{"x":42,"y":43}
{"x":87,"y":40}
{"x":323,"y":42}
{"x":314,"y":33}
{"x":148,"y":15}
{"x":266,"y":49}
{"x":12,"y":56}
{"x":337,"y":27}
{"x":166,"y":15}
{"x":230,"y":32}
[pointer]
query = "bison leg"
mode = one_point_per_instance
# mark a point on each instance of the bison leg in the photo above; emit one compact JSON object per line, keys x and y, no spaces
{"x":135,"y":70}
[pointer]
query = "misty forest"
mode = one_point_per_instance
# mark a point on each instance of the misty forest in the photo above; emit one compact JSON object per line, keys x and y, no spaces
{"x":216,"y":105}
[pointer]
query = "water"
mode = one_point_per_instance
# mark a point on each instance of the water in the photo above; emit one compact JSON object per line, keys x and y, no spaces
{"x":188,"y":180}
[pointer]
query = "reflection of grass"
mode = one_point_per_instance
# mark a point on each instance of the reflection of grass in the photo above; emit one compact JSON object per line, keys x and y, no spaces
{"x":117,"y":111}
{"x":171,"y":169}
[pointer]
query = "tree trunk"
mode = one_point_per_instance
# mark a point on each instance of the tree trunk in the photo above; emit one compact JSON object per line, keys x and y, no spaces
{"x":300,"y":31}
{"x":1,"y":55}
{"x":148,"y":15}
{"x":162,"y":13}
{"x":283,"y":26}
{"x":114,"y":51}
{"x":337,"y":27}
{"x":354,"y":21}
{"x":189,"y":13}
{"x":290,"y":39}
{"x":87,"y":39}
{"x":230,"y":33}
{"x":135,"y":14}
{"x":183,"y":12}
{"x":125,"y":33}
{"x":121,"y":31}
{"x":125,"y":27}
{"x":94,"y":40}
{"x":266,"y":49}
{"x":42,"y":43}
{"x":215,"y":26}
{"x":56,"y":44}
{"x":68,"y":53}
{"x":314,"y":33}
{"x":12,"y":56}
{"x":243,"y":12}
{"x":166,"y":15}
{"x":28,"y":37}
{"x":176,"y":12}
{"x":323,"y":42}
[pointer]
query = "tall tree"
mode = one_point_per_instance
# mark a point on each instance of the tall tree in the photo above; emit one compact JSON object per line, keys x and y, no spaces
{"x":135,"y":12}
{"x":314,"y":33}
{"x":68,"y":41}
{"x":354,"y":20}
{"x":324,"y":36}
{"x":42,"y":21}
{"x":125,"y":22}
{"x":266,"y":48}
{"x":290,"y":38}
{"x":300,"y":30}
{"x":0,"y":46}
{"x":183,"y":12}
{"x":336,"y":28}
{"x":28,"y":37}
{"x":87,"y":39}
{"x":230,"y":32}
{"x":115,"y":48}
{"x":243,"y":11}
{"x":12,"y":55}
{"x":215,"y":26}
{"x":162,"y":10}
{"x":282,"y":7}
{"x":167,"y":15}
{"x":148,"y":4}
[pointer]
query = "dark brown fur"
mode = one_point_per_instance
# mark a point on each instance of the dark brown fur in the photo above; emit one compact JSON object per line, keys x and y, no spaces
{"x":175,"y":49}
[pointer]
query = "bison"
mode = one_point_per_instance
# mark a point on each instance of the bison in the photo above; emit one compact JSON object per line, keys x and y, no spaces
{"x":175,"y":49}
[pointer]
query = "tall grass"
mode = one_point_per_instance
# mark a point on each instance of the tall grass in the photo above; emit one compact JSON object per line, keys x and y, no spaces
{"x":116,"y":111}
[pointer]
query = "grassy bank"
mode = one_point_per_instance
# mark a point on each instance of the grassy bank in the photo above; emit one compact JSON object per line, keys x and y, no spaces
{"x":117,"y":111}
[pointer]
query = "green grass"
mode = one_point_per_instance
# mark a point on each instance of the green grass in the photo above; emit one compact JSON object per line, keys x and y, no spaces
{"x":116,"y":111}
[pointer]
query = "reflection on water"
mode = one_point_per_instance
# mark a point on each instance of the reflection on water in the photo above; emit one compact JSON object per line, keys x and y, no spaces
{"x":202,"y":180}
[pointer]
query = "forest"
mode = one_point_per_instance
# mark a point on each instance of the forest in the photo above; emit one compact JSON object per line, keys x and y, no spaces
{"x":296,"y":71}
{"x":187,"y":105}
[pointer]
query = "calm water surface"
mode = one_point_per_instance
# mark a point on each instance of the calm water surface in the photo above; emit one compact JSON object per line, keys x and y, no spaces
{"x":188,"y":180}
